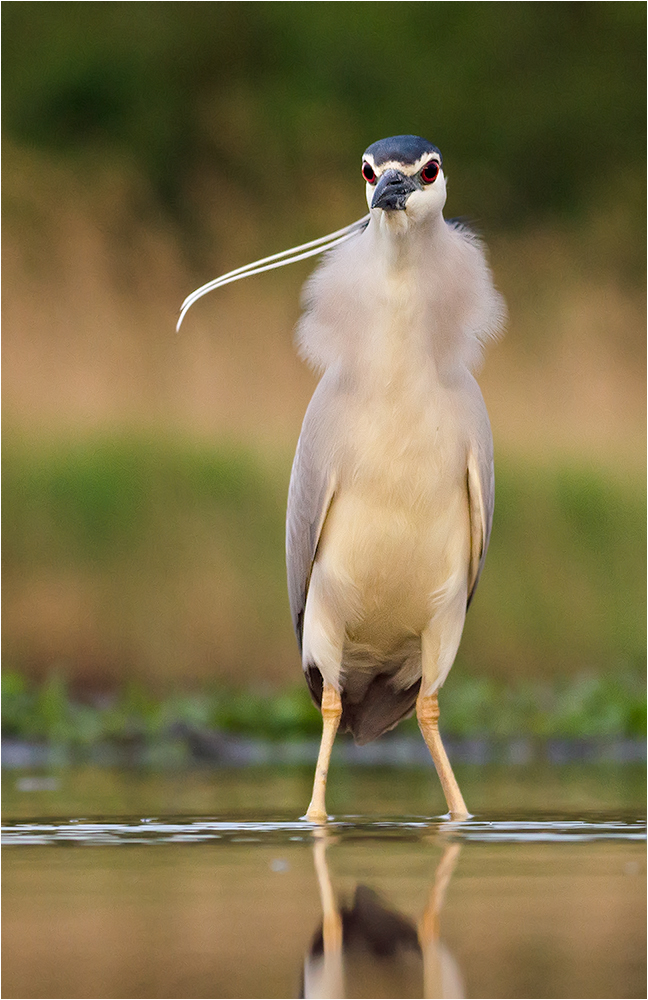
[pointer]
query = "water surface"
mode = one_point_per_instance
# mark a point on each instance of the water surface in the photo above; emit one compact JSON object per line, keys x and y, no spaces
{"x":529,"y":898}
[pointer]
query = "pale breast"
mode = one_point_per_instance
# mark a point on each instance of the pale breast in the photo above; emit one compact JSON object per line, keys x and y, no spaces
{"x":398,"y":528}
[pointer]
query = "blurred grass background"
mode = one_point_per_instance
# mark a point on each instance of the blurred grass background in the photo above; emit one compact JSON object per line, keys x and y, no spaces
{"x":150,"y":146}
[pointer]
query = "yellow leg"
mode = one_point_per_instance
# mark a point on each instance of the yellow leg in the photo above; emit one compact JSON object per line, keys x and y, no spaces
{"x":429,"y":923}
{"x":327,"y":972}
{"x":331,"y":712}
{"x":427,"y":713}
{"x":440,"y":975}
{"x":331,"y":919}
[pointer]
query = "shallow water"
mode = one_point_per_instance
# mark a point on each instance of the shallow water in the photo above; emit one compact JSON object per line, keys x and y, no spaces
{"x":172,"y":899}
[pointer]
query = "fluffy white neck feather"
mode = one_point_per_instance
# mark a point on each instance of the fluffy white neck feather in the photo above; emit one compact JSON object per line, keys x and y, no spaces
{"x":425,"y":282}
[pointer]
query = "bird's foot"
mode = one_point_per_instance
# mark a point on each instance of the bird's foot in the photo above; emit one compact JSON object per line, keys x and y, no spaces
{"x":316,"y":814}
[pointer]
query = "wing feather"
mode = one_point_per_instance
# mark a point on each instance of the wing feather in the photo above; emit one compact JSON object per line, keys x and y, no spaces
{"x":481,"y":499}
{"x":311,"y":491}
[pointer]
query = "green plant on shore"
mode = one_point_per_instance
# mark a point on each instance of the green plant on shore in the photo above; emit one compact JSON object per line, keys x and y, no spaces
{"x":583,"y":707}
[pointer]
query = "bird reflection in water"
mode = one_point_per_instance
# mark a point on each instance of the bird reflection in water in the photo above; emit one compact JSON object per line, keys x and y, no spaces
{"x":368,"y":949}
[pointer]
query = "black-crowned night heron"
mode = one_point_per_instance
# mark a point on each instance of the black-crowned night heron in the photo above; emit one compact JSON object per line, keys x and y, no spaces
{"x":391,"y":493}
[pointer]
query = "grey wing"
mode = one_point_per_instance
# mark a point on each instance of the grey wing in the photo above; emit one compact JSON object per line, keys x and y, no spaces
{"x":309,"y":497}
{"x":481,"y":497}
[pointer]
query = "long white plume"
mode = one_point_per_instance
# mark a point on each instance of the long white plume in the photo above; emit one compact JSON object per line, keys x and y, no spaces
{"x":268,"y":263}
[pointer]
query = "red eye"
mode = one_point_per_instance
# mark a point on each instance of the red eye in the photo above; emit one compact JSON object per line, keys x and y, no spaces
{"x":368,"y":173}
{"x":430,"y":172}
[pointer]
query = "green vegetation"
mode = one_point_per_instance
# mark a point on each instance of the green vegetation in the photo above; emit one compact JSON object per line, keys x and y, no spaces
{"x":532,"y":102}
{"x":91,"y":503}
{"x":162,"y":564}
{"x":584,"y":707}
{"x":564,"y":585}
{"x":152,"y":560}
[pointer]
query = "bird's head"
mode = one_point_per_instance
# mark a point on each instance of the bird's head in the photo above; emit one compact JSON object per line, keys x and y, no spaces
{"x":405,"y":179}
{"x":405,"y":184}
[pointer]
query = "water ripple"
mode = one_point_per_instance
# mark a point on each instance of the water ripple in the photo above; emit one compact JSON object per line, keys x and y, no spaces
{"x":190,"y":830}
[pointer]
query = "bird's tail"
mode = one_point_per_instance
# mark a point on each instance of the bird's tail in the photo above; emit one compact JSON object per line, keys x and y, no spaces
{"x":380,"y":707}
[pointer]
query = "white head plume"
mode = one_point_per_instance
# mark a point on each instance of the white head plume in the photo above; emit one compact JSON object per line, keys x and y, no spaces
{"x":268,"y":263}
